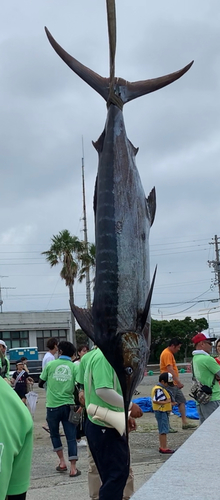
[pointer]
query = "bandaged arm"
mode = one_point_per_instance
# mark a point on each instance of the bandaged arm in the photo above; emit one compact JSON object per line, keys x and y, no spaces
{"x":111,"y":397}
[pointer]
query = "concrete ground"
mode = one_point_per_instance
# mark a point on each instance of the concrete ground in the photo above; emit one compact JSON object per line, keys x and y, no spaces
{"x":145,"y":458}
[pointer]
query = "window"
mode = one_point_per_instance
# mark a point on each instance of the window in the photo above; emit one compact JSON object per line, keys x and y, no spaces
{"x":44,"y":335}
{"x":15,"y":339}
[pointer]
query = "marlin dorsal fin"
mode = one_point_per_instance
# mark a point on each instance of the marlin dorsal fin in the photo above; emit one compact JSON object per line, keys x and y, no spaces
{"x":151,"y":205}
{"x":148,"y":301}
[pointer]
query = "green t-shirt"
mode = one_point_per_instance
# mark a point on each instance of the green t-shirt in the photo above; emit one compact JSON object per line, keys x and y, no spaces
{"x":16,"y":443}
{"x":98,"y":373}
{"x":60,"y":376}
{"x":4,"y":367}
{"x":82,"y":366}
{"x":205,"y":367}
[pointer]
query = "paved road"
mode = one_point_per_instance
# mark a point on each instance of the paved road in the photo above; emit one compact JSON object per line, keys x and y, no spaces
{"x":47,"y":483}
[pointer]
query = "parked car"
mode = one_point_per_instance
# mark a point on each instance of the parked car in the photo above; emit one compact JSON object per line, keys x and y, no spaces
{"x":34,"y":367}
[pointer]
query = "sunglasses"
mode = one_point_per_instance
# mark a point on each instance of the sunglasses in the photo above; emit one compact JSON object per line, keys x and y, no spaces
{"x":207,"y":342}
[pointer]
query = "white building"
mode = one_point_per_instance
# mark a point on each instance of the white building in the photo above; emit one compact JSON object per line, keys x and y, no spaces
{"x":23,"y":329}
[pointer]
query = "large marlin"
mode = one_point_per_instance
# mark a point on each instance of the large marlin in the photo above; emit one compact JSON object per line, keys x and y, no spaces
{"x":119,"y":322}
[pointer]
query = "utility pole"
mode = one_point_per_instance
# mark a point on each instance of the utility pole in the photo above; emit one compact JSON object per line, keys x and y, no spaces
{"x":216,"y":263}
{"x":88,"y":290}
{"x":4,"y":288}
{"x":1,"y":301}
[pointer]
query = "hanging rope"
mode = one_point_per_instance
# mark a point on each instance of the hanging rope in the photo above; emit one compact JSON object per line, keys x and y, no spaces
{"x":111,"y":16}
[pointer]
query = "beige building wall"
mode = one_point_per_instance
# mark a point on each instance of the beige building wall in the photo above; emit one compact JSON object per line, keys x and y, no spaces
{"x":33,"y":322}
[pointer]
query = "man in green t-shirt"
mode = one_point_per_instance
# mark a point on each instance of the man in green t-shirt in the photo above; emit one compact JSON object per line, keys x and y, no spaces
{"x":4,"y":363}
{"x":109,"y":449}
{"x":206,"y":371}
{"x":60,"y":376}
{"x":16,"y":442}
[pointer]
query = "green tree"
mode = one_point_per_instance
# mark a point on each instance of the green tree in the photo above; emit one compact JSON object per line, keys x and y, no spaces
{"x":81,"y":337}
{"x":163,"y":331}
{"x":65,"y":249}
{"x":87,"y":260}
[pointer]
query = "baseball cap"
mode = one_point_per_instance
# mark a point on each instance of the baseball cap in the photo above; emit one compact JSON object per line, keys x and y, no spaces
{"x":166,"y":377}
{"x":202,"y":337}
{"x":3,"y":343}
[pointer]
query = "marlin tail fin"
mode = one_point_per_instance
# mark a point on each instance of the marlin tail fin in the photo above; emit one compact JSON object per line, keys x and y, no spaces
{"x":126,"y":91}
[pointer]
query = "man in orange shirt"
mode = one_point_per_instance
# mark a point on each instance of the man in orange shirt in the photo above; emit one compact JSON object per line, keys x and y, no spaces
{"x":168,"y":364}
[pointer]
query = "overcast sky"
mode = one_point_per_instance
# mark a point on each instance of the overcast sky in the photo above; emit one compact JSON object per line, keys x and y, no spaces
{"x":45,"y":109}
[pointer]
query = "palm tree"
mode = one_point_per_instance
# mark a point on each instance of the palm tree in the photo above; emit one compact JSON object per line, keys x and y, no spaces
{"x":87,"y":261}
{"x":66,"y":249}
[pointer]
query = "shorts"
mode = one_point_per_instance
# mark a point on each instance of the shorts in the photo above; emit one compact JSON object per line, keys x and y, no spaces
{"x":206,"y":410}
{"x":21,"y":394}
{"x":162,"y":421}
{"x":177,"y":394}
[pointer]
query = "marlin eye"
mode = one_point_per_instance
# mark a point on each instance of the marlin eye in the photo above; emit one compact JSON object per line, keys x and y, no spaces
{"x":129,"y":370}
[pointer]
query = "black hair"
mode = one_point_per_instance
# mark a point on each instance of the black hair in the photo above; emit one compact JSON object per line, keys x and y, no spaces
{"x":23,"y":359}
{"x":19,"y":361}
{"x":163,"y":377}
{"x":51,"y":343}
{"x":175,"y":341}
{"x":67,"y":348}
{"x":216,"y":345}
{"x":81,"y":347}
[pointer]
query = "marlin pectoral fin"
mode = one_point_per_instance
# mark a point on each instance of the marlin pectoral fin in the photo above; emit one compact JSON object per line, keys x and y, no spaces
{"x":85,"y":319}
{"x":151,"y":205}
{"x":148,"y":301}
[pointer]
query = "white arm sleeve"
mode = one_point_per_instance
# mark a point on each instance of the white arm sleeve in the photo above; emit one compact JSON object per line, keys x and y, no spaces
{"x":110,"y":396}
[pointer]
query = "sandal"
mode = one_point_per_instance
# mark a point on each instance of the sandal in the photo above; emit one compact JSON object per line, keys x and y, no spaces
{"x":61,"y":469}
{"x":78,"y":473}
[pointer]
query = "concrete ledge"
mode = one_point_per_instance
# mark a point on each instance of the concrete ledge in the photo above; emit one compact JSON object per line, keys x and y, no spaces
{"x":192,"y":472}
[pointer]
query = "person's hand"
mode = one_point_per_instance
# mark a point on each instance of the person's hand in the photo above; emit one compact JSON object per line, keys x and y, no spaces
{"x":79,"y":410}
{"x":131,"y":424}
{"x":7,"y":381}
{"x":180,"y":385}
{"x":81,"y":398}
{"x":136,"y":411}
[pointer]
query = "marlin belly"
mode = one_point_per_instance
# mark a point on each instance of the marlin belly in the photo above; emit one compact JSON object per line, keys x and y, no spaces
{"x":122,"y":230}
{"x":123,"y":218}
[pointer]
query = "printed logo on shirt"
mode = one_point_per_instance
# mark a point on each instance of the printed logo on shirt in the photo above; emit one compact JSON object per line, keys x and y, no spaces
{"x":1,"y":453}
{"x":62,"y":373}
